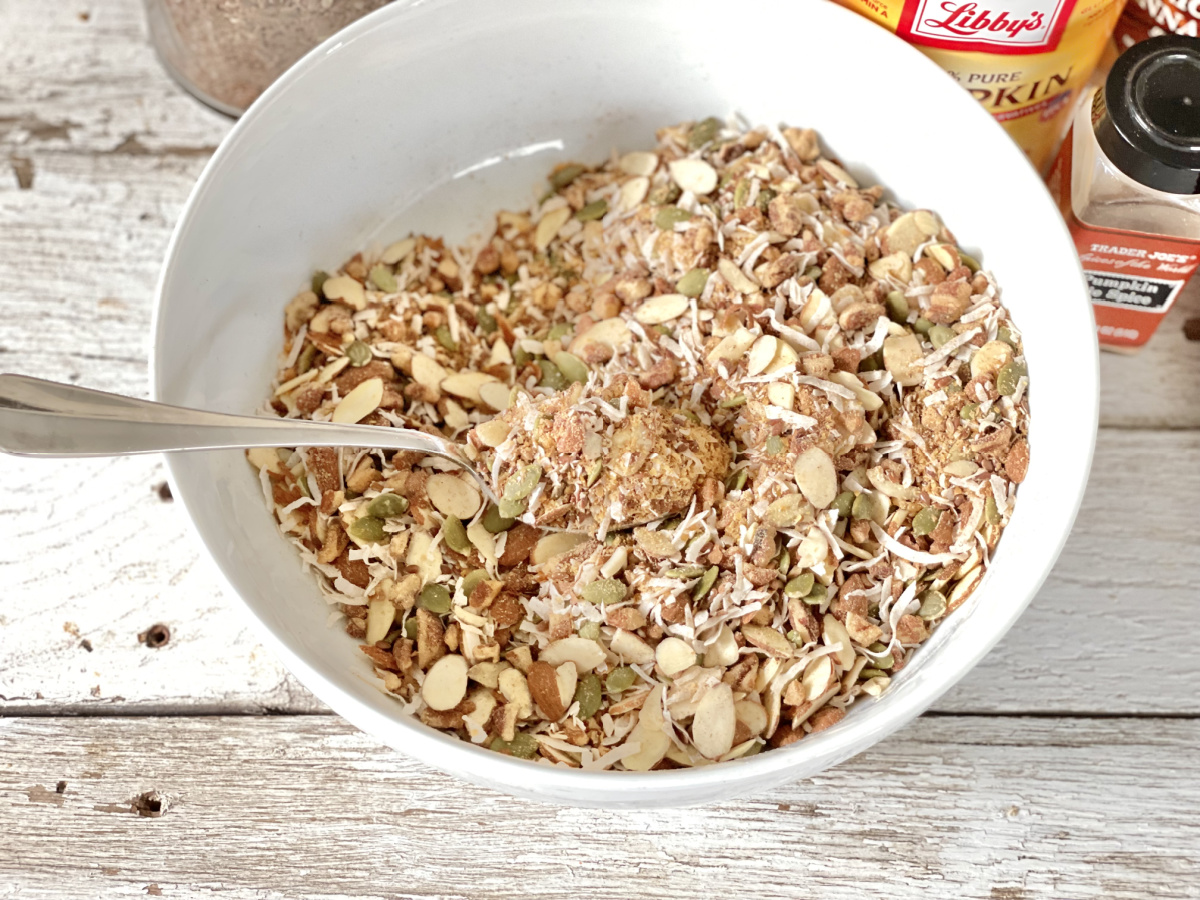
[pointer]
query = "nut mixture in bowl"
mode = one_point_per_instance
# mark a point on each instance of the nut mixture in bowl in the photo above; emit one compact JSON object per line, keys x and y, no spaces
{"x":753,"y":430}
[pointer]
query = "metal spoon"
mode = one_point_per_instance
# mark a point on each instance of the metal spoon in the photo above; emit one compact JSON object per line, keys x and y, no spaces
{"x":45,"y":418}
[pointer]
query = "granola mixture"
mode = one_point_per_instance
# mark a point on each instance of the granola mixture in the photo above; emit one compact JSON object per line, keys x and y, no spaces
{"x":810,"y":405}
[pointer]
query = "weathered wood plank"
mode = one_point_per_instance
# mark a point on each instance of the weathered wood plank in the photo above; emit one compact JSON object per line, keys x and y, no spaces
{"x":995,"y":809}
{"x":90,"y":543}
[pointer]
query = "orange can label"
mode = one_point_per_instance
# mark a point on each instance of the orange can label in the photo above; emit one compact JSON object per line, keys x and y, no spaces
{"x":1025,"y":61}
{"x":1133,"y":277}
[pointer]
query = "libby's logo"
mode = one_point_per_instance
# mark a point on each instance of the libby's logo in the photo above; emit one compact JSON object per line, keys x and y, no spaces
{"x":1021,"y":26}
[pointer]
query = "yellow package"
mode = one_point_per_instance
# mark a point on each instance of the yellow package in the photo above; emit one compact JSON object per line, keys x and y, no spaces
{"x":1026,"y":61}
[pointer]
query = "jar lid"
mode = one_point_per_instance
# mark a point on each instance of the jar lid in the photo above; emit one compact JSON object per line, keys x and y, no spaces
{"x":1149,"y":124}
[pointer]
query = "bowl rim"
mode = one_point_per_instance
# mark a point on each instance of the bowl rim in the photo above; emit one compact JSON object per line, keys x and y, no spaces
{"x":475,"y":763}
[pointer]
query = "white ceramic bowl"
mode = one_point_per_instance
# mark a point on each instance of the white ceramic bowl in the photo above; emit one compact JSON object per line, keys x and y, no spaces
{"x":431,"y":115}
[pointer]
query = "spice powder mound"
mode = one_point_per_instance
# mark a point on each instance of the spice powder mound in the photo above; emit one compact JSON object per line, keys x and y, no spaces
{"x":791,"y":418}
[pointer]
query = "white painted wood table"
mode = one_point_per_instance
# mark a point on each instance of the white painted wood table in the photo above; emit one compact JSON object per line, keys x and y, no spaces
{"x":1065,"y":765}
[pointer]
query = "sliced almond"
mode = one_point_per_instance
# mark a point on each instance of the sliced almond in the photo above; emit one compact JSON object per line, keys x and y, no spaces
{"x":869,"y":399}
{"x":495,"y":394}
{"x":818,"y":676}
{"x":662,"y":308}
{"x":612,"y":333}
{"x":427,"y":371}
{"x":715,"y":722}
{"x":837,"y":173}
{"x":293,"y":383}
{"x":265,"y":458}
{"x":452,"y":496}
{"x":331,"y":371}
{"x":781,"y":394}
{"x":456,"y":417}
{"x":346,"y":289}
{"x":910,"y":231}
{"x":960,"y":468}
{"x":751,"y":714}
{"x":543,"y":686}
{"x":466,"y":384}
{"x":548,"y":226}
{"x":631,"y":648}
{"x":445,"y":683}
{"x":422,"y":555}
{"x":785,"y":358}
{"x":500,"y":355}
{"x":989,"y":358}
{"x":486,"y":673}
{"x":723,"y":651}
{"x":380,"y":616}
{"x":694,"y":175}
{"x":834,"y":632}
{"x":944,"y":255}
{"x":766,"y":638}
{"x":555,"y":544}
{"x":632,"y":193}
{"x":673,"y":655}
{"x":360,"y":402}
{"x":394,"y":253}
{"x":731,"y":347}
{"x":649,"y":734}
{"x":586,"y":654}
{"x":787,"y":511}
{"x":885,"y":485}
{"x":493,"y":433}
{"x":816,"y":477}
{"x":737,"y":279}
{"x":894,"y":265}
{"x":761,"y":354}
{"x":483,"y":541}
{"x":638,"y":162}
{"x":903,"y":358}
{"x":567,"y":676}
{"x":812,"y":549}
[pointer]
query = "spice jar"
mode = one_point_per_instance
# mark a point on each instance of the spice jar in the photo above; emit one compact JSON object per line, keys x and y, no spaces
{"x":226,"y":52}
{"x":1127,"y":180}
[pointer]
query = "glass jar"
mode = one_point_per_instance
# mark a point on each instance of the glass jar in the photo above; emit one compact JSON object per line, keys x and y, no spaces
{"x":226,"y":52}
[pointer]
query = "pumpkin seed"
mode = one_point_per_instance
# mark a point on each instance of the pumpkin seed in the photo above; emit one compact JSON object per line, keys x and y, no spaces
{"x":590,"y":631}
{"x":925,"y":521}
{"x":523,"y":746}
{"x":304,"y":363}
{"x":765,"y":196}
{"x":813,"y":272}
{"x":455,"y":535}
{"x":587,"y":693}
{"x":732,"y":402}
{"x":487,"y":322}
{"x":703,"y":132}
{"x":443,"y":336}
{"x":318,"y":281}
{"x":558,"y":332}
{"x":774,"y":445}
{"x":741,"y":193}
{"x":471,"y":581}
{"x":692,"y":284}
{"x":435,"y":598}
{"x":1008,"y":377}
{"x":670,"y":216}
{"x":800,"y":586}
{"x":386,"y":506}
{"x":560,"y":178}
{"x":969,"y":261}
{"x":865,"y":506}
{"x":952,"y":389}
{"x":817,"y":595}
{"x":521,"y":357}
{"x":872,"y":363}
{"x":668,"y":193}
{"x":737,"y":480}
{"x":512,"y":509}
{"x":991,"y":512}
{"x":410,"y":628}
{"x":383,"y":278}
{"x":685,"y":572}
{"x":968,"y":412}
{"x":359,"y":354}
{"x":520,"y":486}
{"x":494,"y":522}
{"x":933,"y":605}
{"x":897,"y":306}
{"x":594,"y":472}
{"x":622,"y":678}
{"x":843,"y":503}
{"x":552,"y":376}
{"x":884,"y":662}
{"x":604,"y":591}
{"x":796,"y":638}
{"x":940,"y":335}
{"x":367,"y":529}
{"x":500,"y":745}
{"x":867,"y":674}
{"x":785,"y":562}
{"x":922,"y":325}
{"x":571,"y":366}
{"x":706,"y":583}
{"x":1006,"y":335}
{"x":592,"y":211}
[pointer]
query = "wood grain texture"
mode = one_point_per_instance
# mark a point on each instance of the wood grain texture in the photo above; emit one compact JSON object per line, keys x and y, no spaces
{"x":91,"y":543}
{"x":994,"y":809}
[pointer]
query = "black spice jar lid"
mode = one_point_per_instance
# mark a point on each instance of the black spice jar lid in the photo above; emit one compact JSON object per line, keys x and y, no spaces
{"x":1148,"y":122}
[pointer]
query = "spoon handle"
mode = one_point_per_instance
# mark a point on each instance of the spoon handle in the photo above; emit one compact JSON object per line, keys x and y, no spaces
{"x":45,"y":418}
